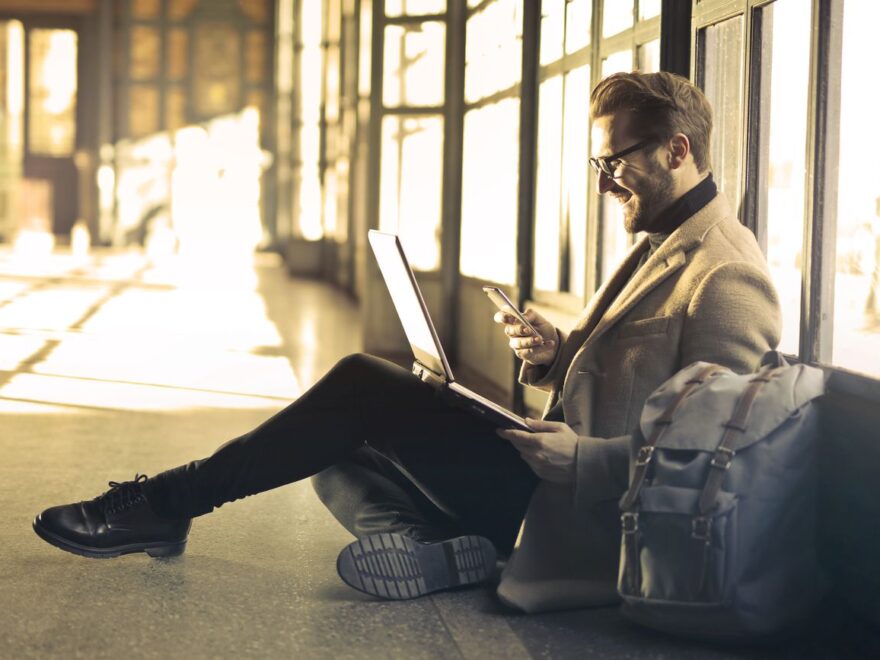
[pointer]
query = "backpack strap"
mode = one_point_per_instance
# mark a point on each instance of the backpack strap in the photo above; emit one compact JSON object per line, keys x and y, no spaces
{"x":646,"y":451}
{"x":723,"y":457}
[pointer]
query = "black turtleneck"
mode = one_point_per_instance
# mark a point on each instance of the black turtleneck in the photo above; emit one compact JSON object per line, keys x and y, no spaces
{"x":684,"y":207}
{"x":671,"y":218}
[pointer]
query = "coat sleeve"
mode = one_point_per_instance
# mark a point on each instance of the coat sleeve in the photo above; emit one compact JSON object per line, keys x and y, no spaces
{"x":602,"y":470}
{"x":544,"y":376}
{"x":733,"y":318}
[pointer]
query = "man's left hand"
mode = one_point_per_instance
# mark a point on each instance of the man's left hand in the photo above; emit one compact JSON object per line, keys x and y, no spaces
{"x":550,"y":449}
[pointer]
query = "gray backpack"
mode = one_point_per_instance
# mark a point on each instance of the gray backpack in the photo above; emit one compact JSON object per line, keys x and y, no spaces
{"x":718,"y":523}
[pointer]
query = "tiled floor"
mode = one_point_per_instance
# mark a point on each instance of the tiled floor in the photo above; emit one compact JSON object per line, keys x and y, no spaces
{"x":111,"y":366}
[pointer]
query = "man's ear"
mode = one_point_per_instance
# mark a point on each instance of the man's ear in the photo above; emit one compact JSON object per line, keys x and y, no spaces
{"x":679,"y":148}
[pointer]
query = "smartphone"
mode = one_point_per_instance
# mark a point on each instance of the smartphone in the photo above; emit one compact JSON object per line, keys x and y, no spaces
{"x":506,"y":305}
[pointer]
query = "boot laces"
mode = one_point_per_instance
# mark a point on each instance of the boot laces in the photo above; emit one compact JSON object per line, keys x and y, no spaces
{"x":123,"y":495}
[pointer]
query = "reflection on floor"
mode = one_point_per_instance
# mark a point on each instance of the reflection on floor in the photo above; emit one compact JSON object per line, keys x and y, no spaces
{"x":109,"y":366}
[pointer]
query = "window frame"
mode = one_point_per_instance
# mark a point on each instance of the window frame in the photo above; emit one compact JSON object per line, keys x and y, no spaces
{"x":822,"y":160}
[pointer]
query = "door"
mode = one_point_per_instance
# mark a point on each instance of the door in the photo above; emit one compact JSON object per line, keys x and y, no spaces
{"x":51,"y":83}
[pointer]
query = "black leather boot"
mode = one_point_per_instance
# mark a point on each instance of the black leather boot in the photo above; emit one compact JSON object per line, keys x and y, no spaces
{"x":118,"y":522}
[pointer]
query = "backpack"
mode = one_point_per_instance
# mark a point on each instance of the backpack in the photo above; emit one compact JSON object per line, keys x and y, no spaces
{"x":719,"y":521}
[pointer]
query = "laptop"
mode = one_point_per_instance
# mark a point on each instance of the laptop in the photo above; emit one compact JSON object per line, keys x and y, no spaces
{"x":430,"y":363}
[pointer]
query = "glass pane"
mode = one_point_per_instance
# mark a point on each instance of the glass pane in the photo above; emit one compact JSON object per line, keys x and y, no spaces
{"x":722,"y":83}
{"x":178,"y":53}
{"x":615,"y":240}
{"x":216,"y":69}
{"x":617,"y":16}
{"x":549,"y":187}
{"x":178,"y":10}
{"x":552,"y":30}
{"x":414,"y":7}
{"x":578,"y":24}
{"x":649,"y":56}
{"x":255,"y":56}
{"x":414,"y":64}
{"x":307,"y":180}
{"x":365,"y":47}
{"x":11,"y":124}
{"x":175,"y":108}
{"x":574,"y":173}
{"x":410,"y":185}
{"x":489,"y":192}
{"x":143,"y":110}
{"x":649,"y":9}
{"x":255,"y":10}
{"x":857,"y":280}
{"x":493,"y":56}
{"x":52,"y":92}
{"x":145,"y":9}
{"x":785,"y":83}
{"x":144,"y":52}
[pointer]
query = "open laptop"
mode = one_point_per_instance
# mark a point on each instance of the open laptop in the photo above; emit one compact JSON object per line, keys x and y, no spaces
{"x":430,"y":364}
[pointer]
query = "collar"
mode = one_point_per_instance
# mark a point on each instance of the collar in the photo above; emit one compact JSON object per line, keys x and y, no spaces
{"x":683,"y":208}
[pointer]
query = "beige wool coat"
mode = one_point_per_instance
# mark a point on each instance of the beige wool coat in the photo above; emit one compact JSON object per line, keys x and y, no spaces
{"x":705,"y":294}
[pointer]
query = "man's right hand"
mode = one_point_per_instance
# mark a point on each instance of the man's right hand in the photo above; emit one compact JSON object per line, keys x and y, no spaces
{"x":526,"y":346}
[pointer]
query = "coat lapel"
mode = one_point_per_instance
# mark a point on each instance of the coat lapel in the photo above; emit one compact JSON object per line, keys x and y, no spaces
{"x":624,"y":290}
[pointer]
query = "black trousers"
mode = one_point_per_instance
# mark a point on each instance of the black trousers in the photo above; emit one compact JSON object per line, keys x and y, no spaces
{"x":387,"y":452}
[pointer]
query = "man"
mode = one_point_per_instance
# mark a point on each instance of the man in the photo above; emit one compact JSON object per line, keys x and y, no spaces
{"x":431,"y":492}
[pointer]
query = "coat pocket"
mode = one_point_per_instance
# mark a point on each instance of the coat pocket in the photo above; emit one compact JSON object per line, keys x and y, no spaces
{"x":653,"y":326}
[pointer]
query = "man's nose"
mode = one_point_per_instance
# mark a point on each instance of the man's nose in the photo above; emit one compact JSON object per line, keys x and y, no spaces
{"x":604,"y":183}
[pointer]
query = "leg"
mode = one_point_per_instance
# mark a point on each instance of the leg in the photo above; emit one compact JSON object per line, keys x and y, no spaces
{"x":368,"y":494}
{"x":456,"y":460}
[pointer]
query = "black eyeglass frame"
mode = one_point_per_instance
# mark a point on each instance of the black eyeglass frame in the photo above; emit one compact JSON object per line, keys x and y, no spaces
{"x":603,"y":164}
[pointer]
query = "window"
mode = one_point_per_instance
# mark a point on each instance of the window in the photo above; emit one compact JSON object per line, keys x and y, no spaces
{"x":411,"y":172}
{"x":720,"y":76}
{"x":562,"y":180}
{"x":856,"y":343}
{"x":490,"y":168}
{"x":784,"y":32}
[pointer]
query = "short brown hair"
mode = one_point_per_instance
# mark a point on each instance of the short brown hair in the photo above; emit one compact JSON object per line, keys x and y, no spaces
{"x":661,"y":104}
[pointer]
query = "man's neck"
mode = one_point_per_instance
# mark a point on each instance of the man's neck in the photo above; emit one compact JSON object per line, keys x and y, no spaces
{"x":694,"y":199}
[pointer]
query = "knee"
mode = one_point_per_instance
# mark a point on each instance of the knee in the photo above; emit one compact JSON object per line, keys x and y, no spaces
{"x":354,"y":363}
{"x":328,"y":485}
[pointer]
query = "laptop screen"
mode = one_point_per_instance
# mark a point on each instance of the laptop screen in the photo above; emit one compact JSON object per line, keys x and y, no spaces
{"x":408,"y":302}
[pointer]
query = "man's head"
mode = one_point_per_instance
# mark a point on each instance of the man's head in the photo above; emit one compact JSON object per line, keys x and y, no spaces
{"x":667,"y":122}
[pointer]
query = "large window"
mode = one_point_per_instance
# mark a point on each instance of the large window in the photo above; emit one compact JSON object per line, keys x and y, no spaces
{"x":856,"y":328}
{"x":562,"y":184}
{"x":799,"y":161}
{"x":781,"y":37}
{"x":490,"y":168}
{"x":413,"y":84}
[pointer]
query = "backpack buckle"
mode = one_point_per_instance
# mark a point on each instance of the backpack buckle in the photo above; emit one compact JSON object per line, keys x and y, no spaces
{"x":722,"y":458}
{"x":629,"y":522}
{"x":701,"y":528}
{"x":644,"y":455}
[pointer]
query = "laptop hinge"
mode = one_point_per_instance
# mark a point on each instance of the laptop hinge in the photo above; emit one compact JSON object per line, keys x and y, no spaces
{"x":427,"y":375}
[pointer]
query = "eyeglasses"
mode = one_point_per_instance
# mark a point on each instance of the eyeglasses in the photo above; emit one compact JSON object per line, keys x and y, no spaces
{"x":608,"y":165}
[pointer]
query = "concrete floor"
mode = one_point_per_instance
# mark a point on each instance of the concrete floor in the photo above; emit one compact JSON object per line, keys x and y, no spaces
{"x":111,"y":366}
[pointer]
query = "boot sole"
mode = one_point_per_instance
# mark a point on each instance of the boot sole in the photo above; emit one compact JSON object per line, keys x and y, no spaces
{"x":395,"y":567}
{"x":157,"y":550}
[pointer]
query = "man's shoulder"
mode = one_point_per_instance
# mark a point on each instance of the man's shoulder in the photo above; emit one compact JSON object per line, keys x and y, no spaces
{"x":723,"y":238}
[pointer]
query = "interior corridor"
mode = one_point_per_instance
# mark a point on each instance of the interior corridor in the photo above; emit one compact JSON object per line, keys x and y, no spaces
{"x":114,"y":365}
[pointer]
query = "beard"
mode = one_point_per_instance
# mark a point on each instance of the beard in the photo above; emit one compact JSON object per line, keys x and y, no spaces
{"x":643,"y":207}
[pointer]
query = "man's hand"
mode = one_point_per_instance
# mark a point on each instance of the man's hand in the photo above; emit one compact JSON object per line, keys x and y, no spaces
{"x":526,"y":346}
{"x":550,"y":450}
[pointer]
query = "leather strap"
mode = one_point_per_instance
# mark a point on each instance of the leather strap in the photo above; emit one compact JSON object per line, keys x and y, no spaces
{"x":723,"y":456}
{"x":646,"y":451}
